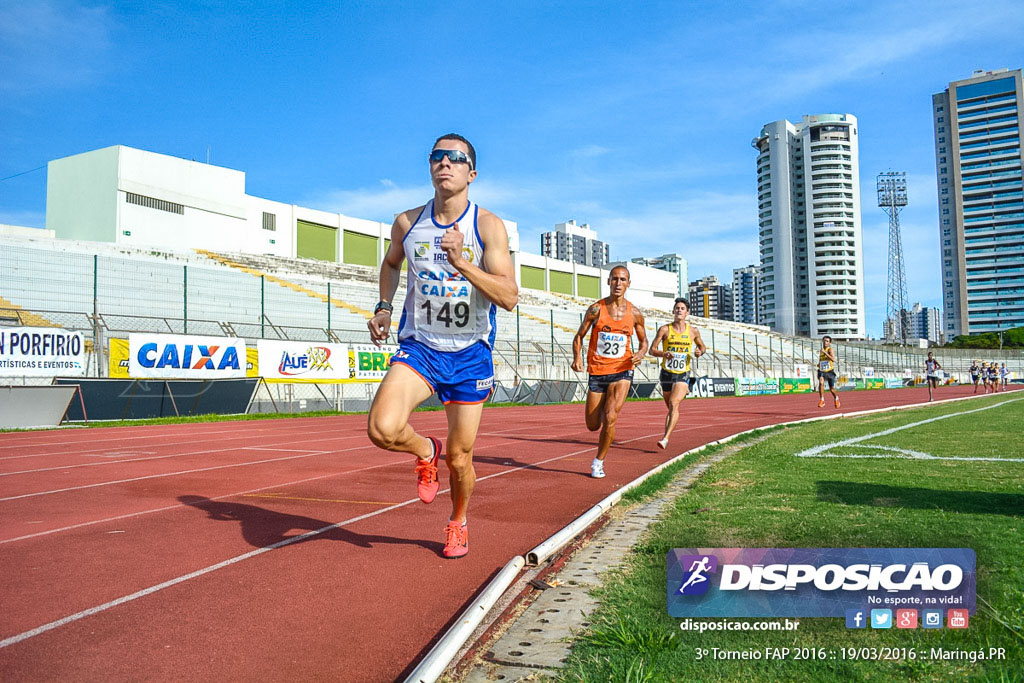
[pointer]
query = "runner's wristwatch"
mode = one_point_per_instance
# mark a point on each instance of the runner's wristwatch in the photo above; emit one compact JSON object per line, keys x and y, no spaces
{"x":383,"y":306}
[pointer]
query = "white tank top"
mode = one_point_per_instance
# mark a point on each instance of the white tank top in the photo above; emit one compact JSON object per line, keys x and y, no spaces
{"x":442,"y":308}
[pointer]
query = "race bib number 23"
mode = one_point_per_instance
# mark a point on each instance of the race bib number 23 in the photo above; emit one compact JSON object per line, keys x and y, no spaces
{"x":611,"y":345}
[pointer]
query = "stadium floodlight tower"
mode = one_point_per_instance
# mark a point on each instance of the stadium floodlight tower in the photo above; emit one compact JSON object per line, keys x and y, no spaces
{"x":892,"y":196}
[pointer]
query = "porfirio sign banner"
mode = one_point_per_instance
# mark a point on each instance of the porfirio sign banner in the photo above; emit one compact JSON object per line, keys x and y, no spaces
{"x":41,"y":352}
{"x":185,"y":356}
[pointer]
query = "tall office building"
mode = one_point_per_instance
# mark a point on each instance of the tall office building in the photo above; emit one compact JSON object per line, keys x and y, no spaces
{"x":922,"y":323}
{"x":745,"y":289}
{"x":709,"y":298}
{"x":981,"y":212}
{"x":672,"y":263}
{"x":808,"y":189}
{"x":576,"y":243}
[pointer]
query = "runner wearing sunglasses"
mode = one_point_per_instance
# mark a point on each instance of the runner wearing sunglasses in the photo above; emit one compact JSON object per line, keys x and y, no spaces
{"x":459,"y":270}
{"x":611,"y":323}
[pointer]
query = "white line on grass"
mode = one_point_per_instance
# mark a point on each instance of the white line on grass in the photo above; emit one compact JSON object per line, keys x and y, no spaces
{"x":823,"y":451}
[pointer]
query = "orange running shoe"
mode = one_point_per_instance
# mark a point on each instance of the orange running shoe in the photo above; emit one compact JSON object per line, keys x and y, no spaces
{"x":426,"y":474}
{"x":456,"y":540}
{"x":821,"y":403}
{"x":837,"y":403}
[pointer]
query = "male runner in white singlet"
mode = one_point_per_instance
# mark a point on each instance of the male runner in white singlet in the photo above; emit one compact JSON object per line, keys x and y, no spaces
{"x":459,"y":268}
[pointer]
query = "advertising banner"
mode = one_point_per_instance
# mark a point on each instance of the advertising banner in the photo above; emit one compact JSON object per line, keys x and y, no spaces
{"x":709,"y":387}
{"x":874,"y":383}
{"x":894,"y":383}
{"x":869,"y":371}
{"x":185,"y":356}
{"x":756,"y":386}
{"x":369,"y":362}
{"x":41,"y":352}
{"x":802,"y":370}
{"x":794,"y":385}
{"x":294,"y":361}
{"x":818,"y":582}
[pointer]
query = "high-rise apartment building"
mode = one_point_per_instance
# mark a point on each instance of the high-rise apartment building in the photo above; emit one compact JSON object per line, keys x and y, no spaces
{"x":576,"y":243}
{"x":922,"y":323}
{"x":709,"y":298}
{"x":745,"y":290}
{"x":808,"y":189}
{"x":978,"y":159}
{"x":672,"y":263}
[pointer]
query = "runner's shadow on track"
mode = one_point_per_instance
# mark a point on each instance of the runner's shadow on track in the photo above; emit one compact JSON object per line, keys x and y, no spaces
{"x":512,"y":462}
{"x":262,"y":527}
{"x":881,"y":495}
{"x":580,"y":442}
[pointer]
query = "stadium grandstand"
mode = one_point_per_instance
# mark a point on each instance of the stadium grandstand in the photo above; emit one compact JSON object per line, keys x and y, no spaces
{"x":107,"y":291}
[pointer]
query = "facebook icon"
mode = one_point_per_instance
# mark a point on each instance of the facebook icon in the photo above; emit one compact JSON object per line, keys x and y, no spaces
{"x":856,"y":618}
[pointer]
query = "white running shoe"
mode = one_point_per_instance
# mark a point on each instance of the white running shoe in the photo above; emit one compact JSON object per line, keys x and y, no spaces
{"x":597,"y":469}
{"x":663,"y":444}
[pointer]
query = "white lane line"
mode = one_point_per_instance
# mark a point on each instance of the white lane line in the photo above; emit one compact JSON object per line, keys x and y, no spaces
{"x":178,"y":505}
{"x":162,"y":457}
{"x":825,"y":450}
{"x":308,"y":454}
{"x":162,"y":438}
{"x":259,"y":551}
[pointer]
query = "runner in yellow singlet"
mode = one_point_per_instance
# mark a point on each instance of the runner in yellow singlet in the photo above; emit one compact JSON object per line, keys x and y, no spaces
{"x":827,"y":371}
{"x":680,"y":342}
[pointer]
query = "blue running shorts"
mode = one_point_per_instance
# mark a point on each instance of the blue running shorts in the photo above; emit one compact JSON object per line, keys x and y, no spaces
{"x":465,"y":376}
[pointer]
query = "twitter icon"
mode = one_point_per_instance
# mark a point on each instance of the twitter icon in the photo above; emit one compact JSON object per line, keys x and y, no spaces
{"x":881,"y":618}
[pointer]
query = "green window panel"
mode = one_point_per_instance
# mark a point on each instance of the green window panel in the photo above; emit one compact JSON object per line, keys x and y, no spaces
{"x":316,"y":241}
{"x":531,"y":278}
{"x":360,"y":250}
{"x":588,"y":287}
{"x":560,"y":282}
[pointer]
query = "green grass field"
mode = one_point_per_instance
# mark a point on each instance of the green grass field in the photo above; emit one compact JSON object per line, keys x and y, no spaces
{"x":763,"y":496}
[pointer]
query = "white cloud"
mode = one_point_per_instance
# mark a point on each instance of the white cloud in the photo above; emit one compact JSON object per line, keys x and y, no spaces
{"x":47,"y":45}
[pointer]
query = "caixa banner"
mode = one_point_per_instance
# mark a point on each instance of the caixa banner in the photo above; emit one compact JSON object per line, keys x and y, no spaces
{"x":185,"y":356}
{"x":816,"y":582}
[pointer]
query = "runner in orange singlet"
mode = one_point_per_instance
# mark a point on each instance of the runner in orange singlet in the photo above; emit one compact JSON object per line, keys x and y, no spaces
{"x":610,"y":359}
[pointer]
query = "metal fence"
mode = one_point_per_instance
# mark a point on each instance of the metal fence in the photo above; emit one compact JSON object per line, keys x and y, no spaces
{"x":108,"y":296}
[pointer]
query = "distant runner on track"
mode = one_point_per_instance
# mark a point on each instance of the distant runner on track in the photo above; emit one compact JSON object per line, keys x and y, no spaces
{"x":611,"y":323}
{"x":459,"y":268}
{"x":680,"y":342}
{"x":931,"y":374}
{"x":975,"y":374}
{"x":827,"y":371}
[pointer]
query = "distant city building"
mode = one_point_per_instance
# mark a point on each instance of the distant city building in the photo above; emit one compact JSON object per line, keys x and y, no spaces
{"x":812,"y":271}
{"x":672,"y":263}
{"x":978,"y":158}
{"x":709,"y":298}
{"x":745,"y":291}
{"x":576,"y":243}
{"x":922,"y":323}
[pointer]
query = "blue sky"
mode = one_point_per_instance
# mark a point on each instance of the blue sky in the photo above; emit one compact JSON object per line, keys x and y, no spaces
{"x":633,"y":117}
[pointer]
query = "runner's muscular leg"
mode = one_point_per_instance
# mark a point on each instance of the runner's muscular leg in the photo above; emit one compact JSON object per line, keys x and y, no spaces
{"x":679,"y":391}
{"x":388,"y":422}
{"x":463,"y":423}
{"x":615,"y":396}
{"x":595,"y":410}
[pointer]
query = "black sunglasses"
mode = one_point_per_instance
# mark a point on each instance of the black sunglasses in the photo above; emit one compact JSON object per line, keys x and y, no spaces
{"x":454,"y":155}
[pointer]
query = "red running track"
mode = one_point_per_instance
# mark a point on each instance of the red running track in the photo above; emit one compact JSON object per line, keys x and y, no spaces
{"x":293,"y":549}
